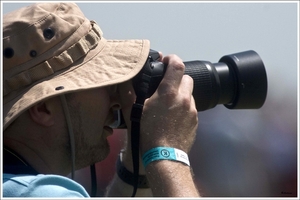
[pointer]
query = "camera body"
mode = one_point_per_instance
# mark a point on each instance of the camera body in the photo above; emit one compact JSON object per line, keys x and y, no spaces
{"x":148,"y":79}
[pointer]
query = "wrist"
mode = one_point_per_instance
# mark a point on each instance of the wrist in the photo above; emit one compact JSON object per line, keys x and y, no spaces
{"x":165,"y":175}
{"x":165,"y":153}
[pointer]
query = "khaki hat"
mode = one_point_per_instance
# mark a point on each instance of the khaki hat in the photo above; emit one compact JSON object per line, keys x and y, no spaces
{"x":51,"y":48}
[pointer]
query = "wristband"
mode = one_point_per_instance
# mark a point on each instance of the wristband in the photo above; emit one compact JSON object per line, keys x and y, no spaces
{"x":128,"y":177}
{"x":165,"y":153}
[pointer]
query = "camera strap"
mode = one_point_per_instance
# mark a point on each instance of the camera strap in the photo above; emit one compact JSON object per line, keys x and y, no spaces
{"x":142,"y":80}
{"x":136,"y":114}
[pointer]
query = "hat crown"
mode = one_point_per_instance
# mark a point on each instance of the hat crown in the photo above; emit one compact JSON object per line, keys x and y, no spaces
{"x":30,"y":32}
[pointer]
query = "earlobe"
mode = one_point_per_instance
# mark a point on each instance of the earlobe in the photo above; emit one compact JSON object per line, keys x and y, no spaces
{"x":41,"y":115}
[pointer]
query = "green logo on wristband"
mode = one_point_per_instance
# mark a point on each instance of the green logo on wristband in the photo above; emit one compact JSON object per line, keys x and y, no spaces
{"x":165,"y":153}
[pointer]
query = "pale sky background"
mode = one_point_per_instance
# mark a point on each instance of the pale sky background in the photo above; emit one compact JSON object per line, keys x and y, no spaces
{"x":237,"y":153}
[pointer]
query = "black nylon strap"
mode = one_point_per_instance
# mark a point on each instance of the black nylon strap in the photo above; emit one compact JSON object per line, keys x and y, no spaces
{"x":93,"y":180}
{"x":136,"y":114}
{"x":128,"y":177}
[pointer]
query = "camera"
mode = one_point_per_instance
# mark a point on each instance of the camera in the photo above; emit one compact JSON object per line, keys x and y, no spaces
{"x":238,"y":81}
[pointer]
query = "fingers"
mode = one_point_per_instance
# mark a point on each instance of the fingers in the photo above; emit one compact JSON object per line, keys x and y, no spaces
{"x":160,"y":56}
{"x":187,"y":85}
{"x":173,"y":76}
{"x":186,"y":90}
{"x":175,"y":82}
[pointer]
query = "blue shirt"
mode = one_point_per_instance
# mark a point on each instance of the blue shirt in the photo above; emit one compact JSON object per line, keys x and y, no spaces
{"x":41,"y":186}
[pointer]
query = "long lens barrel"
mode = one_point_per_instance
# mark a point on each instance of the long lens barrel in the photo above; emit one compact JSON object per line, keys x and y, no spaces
{"x":239,"y":81}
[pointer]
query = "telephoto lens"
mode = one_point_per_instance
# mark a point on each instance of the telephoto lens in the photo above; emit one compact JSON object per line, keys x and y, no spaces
{"x":239,"y":81}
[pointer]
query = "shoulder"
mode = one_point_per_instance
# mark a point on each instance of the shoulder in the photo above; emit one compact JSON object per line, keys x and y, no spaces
{"x":41,"y":186}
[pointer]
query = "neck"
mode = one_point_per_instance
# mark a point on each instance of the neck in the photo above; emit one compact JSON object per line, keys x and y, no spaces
{"x":39,"y":160}
{"x":15,"y":164}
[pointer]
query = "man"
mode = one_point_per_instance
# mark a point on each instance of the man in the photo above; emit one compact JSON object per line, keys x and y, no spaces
{"x":62,"y":82}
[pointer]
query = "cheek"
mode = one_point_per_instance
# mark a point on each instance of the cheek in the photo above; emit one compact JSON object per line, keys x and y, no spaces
{"x":90,"y":130}
{"x":126,"y":95}
{"x":96,"y":101}
{"x":93,"y":109}
{"x":96,"y":113}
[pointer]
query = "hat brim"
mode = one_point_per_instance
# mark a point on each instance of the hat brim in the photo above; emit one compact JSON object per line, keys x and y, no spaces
{"x":111,"y":62}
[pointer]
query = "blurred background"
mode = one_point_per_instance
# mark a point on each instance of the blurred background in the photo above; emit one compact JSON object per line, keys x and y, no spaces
{"x":237,"y":153}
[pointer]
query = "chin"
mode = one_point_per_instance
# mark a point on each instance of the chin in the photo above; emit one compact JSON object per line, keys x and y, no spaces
{"x":93,"y":155}
{"x":102,"y":152}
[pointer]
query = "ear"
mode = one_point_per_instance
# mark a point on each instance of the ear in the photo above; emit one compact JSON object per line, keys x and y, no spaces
{"x":41,"y":115}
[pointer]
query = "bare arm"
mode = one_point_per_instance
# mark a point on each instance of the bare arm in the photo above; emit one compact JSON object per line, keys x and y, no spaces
{"x":171,"y":179}
{"x":175,"y":127}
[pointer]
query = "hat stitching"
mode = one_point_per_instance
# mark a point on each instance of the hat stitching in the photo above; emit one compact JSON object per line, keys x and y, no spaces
{"x":63,"y":41}
{"x":47,"y":68}
{"x":26,"y":28}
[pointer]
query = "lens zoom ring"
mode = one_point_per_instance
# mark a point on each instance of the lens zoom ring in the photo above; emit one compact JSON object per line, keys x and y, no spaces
{"x":202,"y":84}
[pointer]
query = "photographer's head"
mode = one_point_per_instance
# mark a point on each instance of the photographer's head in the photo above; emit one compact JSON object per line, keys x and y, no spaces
{"x":51,"y":51}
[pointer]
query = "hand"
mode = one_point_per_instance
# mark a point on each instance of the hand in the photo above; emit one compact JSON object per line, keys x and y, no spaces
{"x":169,"y":115}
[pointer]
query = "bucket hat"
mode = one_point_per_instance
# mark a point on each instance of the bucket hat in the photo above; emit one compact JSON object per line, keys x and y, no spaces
{"x":51,"y":49}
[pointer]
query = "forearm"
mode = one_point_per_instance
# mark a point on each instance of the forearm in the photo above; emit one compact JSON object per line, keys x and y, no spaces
{"x":171,"y":179}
